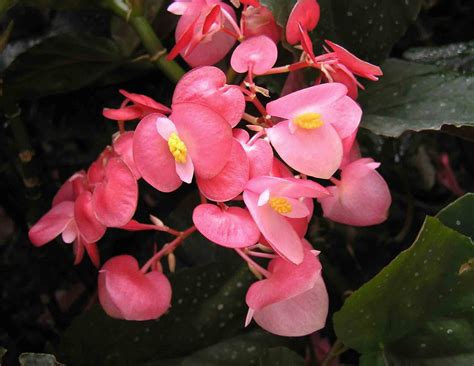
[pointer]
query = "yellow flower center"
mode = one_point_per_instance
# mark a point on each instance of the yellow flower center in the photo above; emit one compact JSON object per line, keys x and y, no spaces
{"x":177,"y":148}
{"x":308,"y":120}
{"x":280,"y":205}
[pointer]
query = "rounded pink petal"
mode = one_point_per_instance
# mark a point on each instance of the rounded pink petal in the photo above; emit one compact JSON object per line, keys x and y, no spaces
{"x":165,"y":127}
{"x":259,"y":21}
{"x":69,"y":191}
{"x":231,"y":180}
{"x":143,"y":100}
{"x":276,"y":229}
{"x":53,"y":223}
{"x":342,"y":75}
{"x":207,"y":86}
{"x":260,"y":155}
{"x":232,"y":227}
{"x":123,"y":146}
{"x":306,"y":13}
{"x":310,"y":99}
{"x":87,"y":224}
{"x":257,"y":53}
{"x":297,"y":316}
{"x":361,"y":198}
{"x":152,"y":156}
{"x":123,"y":114}
{"x":350,"y":149}
{"x":343,"y":114}
{"x":208,"y":137}
{"x":316,"y":152}
{"x":115,"y":199}
{"x":287,"y":187}
{"x":280,"y":170}
{"x":127,"y":293}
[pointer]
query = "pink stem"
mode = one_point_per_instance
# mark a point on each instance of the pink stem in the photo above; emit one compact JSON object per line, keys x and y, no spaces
{"x":252,"y":263}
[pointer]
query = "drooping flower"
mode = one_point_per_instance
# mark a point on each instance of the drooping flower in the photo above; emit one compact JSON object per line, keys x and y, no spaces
{"x":271,"y":201}
{"x":127,"y":293}
{"x":316,"y":119}
{"x":360,"y":198}
{"x":304,"y":17}
{"x":255,"y":55}
{"x":259,"y":153}
{"x":293,"y":301}
{"x":257,"y":20}
{"x":231,"y":227}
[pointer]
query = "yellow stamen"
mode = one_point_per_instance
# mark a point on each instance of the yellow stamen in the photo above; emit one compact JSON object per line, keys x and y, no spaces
{"x":280,"y":205}
{"x":177,"y":148}
{"x":308,"y":120}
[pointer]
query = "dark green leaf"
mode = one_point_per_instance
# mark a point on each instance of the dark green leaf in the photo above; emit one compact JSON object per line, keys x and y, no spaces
{"x":61,"y":64}
{"x":459,"y":215}
{"x":415,"y":97}
{"x":368,"y":28}
{"x":38,"y":359}
{"x":418,"y":309}
{"x":206,"y":300}
{"x":281,"y":356}
{"x":61,"y":4}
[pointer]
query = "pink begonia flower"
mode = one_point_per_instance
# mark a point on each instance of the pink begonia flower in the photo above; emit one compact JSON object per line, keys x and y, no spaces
{"x":293,"y":301}
{"x":316,"y":119}
{"x":350,"y":149}
{"x":123,"y":146}
{"x":255,"y":55}
{"x":199,"y":36}
{"x":305,"y":14}
{"x":259,"y":153}
{"x":127,"y":293}
{"x":207,"y":86}
{"x":257,"y":20}
{"x":280,"y":170}
{"x":167,"y":152}
{"x":271,"y":201}
{"x":231,"y":180}
{"x":142,"y":105}
{"x":231,"y":227}
{"x":360,"y":198}
{"x":338,"y":73}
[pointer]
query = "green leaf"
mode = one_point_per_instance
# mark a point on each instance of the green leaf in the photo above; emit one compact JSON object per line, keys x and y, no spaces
{"x":38,"y":359}
{"x":416,"y":97}
{"x":420,"y":308}
{"x":206,"y":300}
{"x":61,"y":64}
{"x":459,"y":215}
{"x":61,"y":4}
{"x":368,"y":28}
{"x":281,"y":356}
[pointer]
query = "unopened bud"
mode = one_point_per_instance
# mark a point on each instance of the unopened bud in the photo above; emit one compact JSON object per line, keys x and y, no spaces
{"x":156,"y":221}
{"x":172,"y":262}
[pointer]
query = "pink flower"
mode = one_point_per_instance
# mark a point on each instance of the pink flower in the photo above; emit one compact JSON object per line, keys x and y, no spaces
{"x":199,"y":36}
{"x":255,"y":55}
{"x":127,"y":293}
{"x":305,"y":16}
{"x":231,"y":227}
{"x":293,"y":301}
{"x":167,"y":152}
{"x":259,"y":153}
{"x":271,"y":201}
{"x":257,"y":20}
{"x":360,"y":198}
{"x":316,"y":119}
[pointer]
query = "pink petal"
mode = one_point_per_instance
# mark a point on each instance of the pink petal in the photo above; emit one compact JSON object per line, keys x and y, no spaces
{"x":306,"y":13}
{"x":287,"y":187}
{"x":344,"y":115}
{"x":260,"y":155}
{"x":70,"y":232}
{"x":231,"y":180}
{"x":276,"y":229}
{"x":298,"y":209}
{"x":280,"y":170}
{"x":355,"y":64}
{"x":178,"y":7}
{"x":259,"y":21}
{"x":185,"y":170}
{"x":53,"y":223}
{"x":361,"y":198}
{"x":165,"y":127}
{"x":152,"y":156}
{"x":127,"y":293}
{"x":207,"y":86}
{"x":144,"y":101}
{"x":342,"y":75}
{"x":208,"y":137}
{"x":310,"y":99}
{"x":115,"y":199}
{"x":258,"y":53}
{"x":316,"y":152}
{"x":232,"y":227}
{"x":123,"y":114}
{"x":93,"y":253}
{"x":351,"y":150}
{"x":69,"y":190}
{"x":123,"y":146}
{"x":87,"y":224}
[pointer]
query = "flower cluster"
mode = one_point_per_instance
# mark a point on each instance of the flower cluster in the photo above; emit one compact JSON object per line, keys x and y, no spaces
{"x":257,"y":179}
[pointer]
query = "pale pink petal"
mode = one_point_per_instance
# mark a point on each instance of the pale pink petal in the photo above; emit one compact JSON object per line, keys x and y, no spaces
{"x":260,"y":155}
{"x":316,"y":152}
{"x":232,"y":227}
{"x":87,"y":224}
{"x":298,"y":209}
{"x":241,"y":135}
{"x":153,"y":157}
{"x":343,"y":114}
{"x":165,"y":127}
{"x":207,"y":86}
{"x":258,"y":53}
{"x":185,"y":170}
{"x":70,"y":233}
{"x":53,"y":223}
{"x":306,"y":100}
{"x":208,"y":137}
{"x":276,"y":229}
{"x":351,"y":150}
{"x":306,"y":13}
{"x":123,"y":146}
{"x":178,"y":7}
{"x":126,"y":293}
{"x":115,"y":199}
{"x":288,"y":187}
{"x":231,"y":180}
